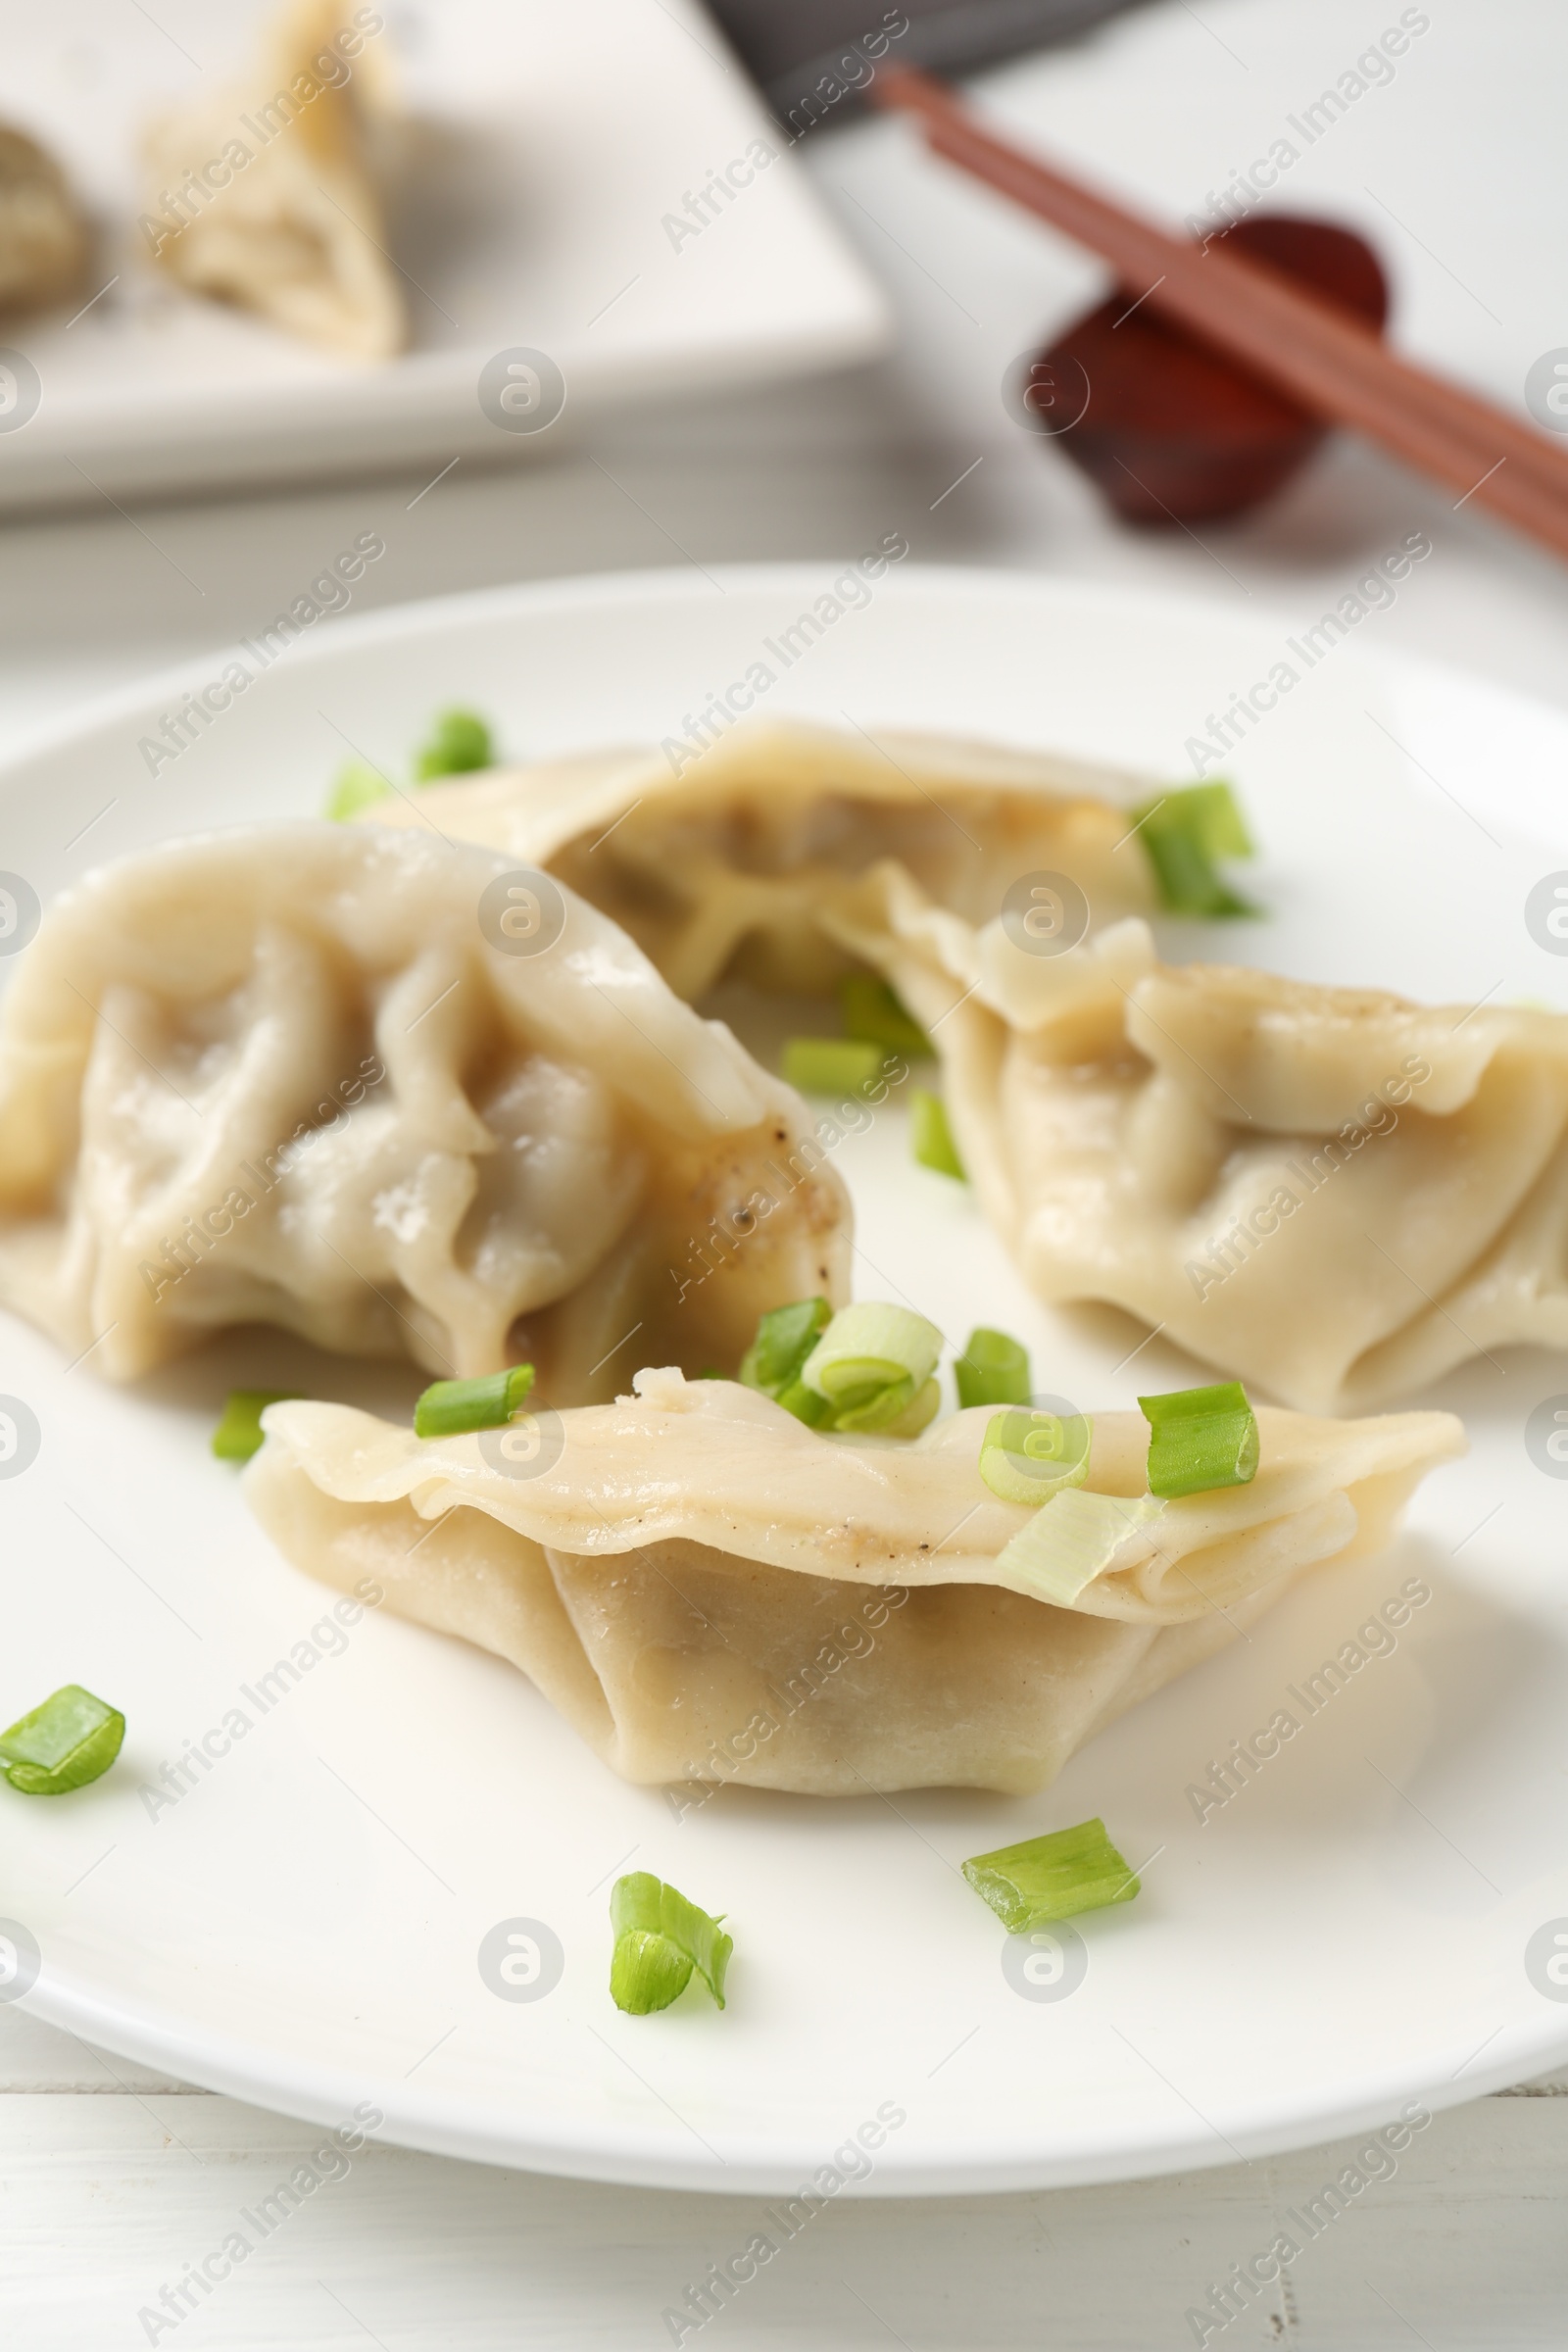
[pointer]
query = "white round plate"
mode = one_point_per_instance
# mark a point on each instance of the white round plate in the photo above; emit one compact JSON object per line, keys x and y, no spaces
{"x":303,"y":1925}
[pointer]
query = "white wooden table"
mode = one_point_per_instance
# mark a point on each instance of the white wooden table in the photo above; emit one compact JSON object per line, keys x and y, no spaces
{"x":113,"y":2180}
{"x":116,"y":2180}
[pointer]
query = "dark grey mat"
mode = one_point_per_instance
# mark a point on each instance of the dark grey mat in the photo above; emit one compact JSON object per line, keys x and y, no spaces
{"x":796,"y":47}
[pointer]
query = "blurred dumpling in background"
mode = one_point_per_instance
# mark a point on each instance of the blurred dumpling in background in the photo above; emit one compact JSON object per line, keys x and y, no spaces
{"x":267,"y":196}
{"x":44,"y":240}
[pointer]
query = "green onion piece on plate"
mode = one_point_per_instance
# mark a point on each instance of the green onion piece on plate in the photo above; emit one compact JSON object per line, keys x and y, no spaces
{"x":930,"y":1135}
{"x":1072,"y":1540}
{"x":460,"y":743}
{"x":868,"y":1349}
{"x":785,"y":1337}
{"x":70,"y":1739}
{"x":448,"y":1407}
{"x":1218,"y":818}
{"x":1185,"y":835}
{"x":659,"y":1940}
{"x":994,"y":1369}
{"x":1200,"y":1439}
{"x":358,"y":786}
{"x":647,"y":1972}
{"x":831,"y":1065}
{"x":239,"y":1433}
{"x":1052,"y":1877}
{"x":871,"y":1011}
{"x":1028,"y":1456}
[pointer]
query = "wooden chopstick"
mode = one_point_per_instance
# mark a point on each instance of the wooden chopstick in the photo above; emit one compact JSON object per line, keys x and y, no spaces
{"x":1316,"y":353}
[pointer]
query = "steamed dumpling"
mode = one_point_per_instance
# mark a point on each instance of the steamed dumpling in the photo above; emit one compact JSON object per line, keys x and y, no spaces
{"x":1333,"y":1193}
{"x":264,"y":194}
{"x":727,"y":860}
{"x":284,"y":1076}
{"x":43,"y":236}
{"x":709,"y":1590}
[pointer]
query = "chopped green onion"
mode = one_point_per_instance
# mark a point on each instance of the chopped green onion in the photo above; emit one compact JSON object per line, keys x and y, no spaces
{"x":647,"y":1972}
{"x":358,"y":786}
{"x":867,"y":1349}
{"x":873,"y":1406}
{"x":1211,"y":811}
{"x":1200,"y":1439}
{"x":1185,"y":834}
{"x":660,"y":1938}
{"x":831,"y":1065}
{"x":930,"y":1135}
{"x":872,"y":1011}
{"x":1028,"y":1456}
{"x":993,"y":1369}
{"x":879,"y":1372}
{"x":902,"y":1420}
{"x":899,"y":1410}
{"x":1052,"y":1877}
{"x":1073,"y":1538}
{"x":448,"y":1407}
{"x":70,"y":1739}
{"x":785,"y":1337}
{"x":460,"y":742}
{"x":806,"y":1405}
{"x":239,"y":1433}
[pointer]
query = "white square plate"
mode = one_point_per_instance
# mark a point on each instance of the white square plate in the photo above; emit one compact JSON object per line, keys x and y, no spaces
{"x":555,"y":140}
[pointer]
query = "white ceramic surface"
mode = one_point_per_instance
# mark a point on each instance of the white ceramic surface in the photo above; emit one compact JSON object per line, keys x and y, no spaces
{"x":548,"y":147}
{"x":303,"y":1926}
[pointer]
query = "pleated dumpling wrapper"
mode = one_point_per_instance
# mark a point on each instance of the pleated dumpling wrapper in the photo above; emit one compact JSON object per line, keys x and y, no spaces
{"x":725,"y":860}
{"x":265,"y":195}
{"x":377,"y":1089}
{"x":707,"y":1589}
{"x":1333,"y":1192}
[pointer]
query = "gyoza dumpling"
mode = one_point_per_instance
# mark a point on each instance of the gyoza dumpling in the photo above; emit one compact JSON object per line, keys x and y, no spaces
{"x":265,"y":195}
{"x":709,"y":1590}
{"x":1331,"y":1192}
{"x":374,"y":1088}
{"x":729,"y":859}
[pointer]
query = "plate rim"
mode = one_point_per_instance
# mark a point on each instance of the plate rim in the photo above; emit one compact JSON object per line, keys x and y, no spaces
{"x":642,"y":2160}
{"x":668,"y":583}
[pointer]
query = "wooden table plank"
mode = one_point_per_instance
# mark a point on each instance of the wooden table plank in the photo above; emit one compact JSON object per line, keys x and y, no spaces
{"x":109,"y":2200}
